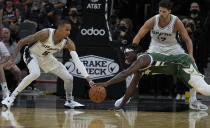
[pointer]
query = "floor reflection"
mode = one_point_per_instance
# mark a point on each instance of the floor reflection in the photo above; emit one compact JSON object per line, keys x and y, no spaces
{"x":70,"y":118}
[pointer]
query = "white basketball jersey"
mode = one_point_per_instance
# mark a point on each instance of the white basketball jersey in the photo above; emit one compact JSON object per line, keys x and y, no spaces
{"x":164,"y":35}
{"x":47,"y":48}
{"x":163,"y":40}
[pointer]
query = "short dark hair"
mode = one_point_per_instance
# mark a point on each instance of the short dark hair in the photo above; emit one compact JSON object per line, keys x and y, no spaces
{"x":166,"y":4}
{"x":113,"y":19}
{"x":63,"y":22}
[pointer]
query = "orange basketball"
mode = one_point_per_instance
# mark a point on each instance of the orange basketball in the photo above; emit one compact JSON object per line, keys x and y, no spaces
{"x":97,"y":94}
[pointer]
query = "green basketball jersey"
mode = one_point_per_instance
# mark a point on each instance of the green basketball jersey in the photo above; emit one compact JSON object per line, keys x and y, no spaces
{"x":181,"y":65}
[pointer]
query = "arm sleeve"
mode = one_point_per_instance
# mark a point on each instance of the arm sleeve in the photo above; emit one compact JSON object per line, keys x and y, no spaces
{"x":79,"y":64}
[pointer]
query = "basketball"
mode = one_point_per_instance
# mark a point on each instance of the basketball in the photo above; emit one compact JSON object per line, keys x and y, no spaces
{"x":97,"y":94}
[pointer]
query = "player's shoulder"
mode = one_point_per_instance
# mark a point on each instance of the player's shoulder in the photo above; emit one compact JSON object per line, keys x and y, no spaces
{"x":43,"y":34}
{"x":178,"y":23}
{"x":151,"y":21}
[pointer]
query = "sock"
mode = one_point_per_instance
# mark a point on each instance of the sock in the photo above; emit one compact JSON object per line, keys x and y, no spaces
{"x":4,"y":86}
{"x":192,"y":95}
{"x":68,"y":90}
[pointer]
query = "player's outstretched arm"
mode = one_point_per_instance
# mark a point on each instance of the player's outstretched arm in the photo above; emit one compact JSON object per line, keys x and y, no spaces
{"x":148,"y":25}
{"x":140,"y":63}
{"x":183,"y":32}
{"x":72,"y":49}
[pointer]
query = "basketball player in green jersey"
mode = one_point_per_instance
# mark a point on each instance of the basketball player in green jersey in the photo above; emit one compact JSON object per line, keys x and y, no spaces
{"x":163,"y":28}
{"x":181,"y":66}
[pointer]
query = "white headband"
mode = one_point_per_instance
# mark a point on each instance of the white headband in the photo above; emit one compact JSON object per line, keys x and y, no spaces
{"x":128,"y":50}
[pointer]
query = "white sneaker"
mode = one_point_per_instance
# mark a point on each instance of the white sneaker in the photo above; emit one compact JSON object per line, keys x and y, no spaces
{"x":118,"y":102}
{"x":178,"y":97}
{"x":72,"y":104}
{"x":197,"y":105}
{"x":8,"y":102}
{"x":5,"y":94}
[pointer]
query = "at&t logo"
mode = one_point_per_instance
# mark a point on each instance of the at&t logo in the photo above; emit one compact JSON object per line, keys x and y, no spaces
{"x":93,"y":31}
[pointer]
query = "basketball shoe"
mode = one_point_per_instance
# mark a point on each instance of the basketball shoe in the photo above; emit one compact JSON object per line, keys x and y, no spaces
{"x":72,"y":104}
{"x":8,"y":101}
{"x":197,"y":105}
{"x":118,"y":102}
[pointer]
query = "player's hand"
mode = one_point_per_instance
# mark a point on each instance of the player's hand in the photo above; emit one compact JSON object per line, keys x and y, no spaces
{"x":91,"y":83}
{"x":101,"y":84}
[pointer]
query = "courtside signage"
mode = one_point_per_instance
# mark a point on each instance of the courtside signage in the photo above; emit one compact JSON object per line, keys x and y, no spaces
{"x":93,"y":31}
{"x":96,"y":66}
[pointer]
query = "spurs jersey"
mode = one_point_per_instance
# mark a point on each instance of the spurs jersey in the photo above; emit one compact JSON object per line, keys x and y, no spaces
{"x":163,"y":40}
{"x":41,"y":53}
{"x":47,"y":48}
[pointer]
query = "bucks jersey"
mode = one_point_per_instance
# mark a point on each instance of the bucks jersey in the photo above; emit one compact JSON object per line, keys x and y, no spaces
{"x":47,"y":48}
{"x":180,"y":65}
{"x":163,"y":40}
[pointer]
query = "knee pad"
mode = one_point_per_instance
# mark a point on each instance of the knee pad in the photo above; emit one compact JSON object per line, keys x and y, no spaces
{"x":198,"y":83}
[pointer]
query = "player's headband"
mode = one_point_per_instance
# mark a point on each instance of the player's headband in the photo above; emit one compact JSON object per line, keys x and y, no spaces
{"x":128,"y":50}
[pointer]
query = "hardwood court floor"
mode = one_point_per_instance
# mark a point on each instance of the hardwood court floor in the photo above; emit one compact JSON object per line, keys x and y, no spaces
{"x":48,"y":112}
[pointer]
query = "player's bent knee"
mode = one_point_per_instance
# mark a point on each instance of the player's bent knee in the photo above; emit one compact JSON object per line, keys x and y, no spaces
{"x":198,"y":83}
{"x":68,"y":78}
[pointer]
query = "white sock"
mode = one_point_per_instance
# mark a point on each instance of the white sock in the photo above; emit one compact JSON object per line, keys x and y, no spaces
{"x":4,"y":86}
{"x":192,"y":95}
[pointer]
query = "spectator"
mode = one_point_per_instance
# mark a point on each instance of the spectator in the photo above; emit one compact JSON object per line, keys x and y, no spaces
{"x":201,"y":46}
{"x":75,"y":21}
{"x":58,"y":4}
{"x":195,"y":14}
{"x":9,"y":17}
{"x":49,"y":8}
{"x":126,"y":31}
{"x":11,"y":47}
{"x":57,"y":16}
{"x":19,"y":4}
{"x":9,"y":14}
{"x":114,"y":22}
{"x":4,"y":57}
{"x":36,"y":12}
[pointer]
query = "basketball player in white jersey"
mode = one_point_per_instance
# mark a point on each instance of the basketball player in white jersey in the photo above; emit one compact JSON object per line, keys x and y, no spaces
{"x":163,"y":28}
{"x":39,"y":53}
